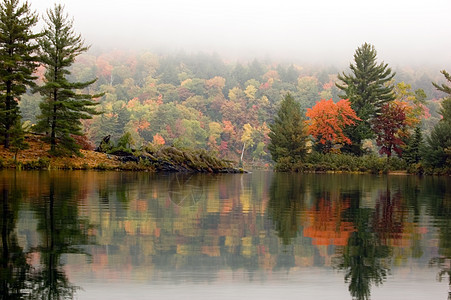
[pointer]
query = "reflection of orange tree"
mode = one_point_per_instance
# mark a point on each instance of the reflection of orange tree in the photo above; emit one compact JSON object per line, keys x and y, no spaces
{"x":326,"y":226}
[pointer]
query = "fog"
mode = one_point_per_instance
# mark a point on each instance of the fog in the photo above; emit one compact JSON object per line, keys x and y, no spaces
{"x":318,"y":31}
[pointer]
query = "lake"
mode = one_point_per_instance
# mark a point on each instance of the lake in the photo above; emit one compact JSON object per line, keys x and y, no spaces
{"x":119,"y":235}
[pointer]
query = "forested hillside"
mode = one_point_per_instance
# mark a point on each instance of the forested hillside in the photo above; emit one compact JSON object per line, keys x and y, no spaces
{"x":202,"y":101}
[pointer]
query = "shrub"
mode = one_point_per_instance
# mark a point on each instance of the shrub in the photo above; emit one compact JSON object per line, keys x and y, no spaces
{"x":372,"y":163}
{"x":284,"y":164}
{"x":102,"y":166}
{"x":40,"y":164}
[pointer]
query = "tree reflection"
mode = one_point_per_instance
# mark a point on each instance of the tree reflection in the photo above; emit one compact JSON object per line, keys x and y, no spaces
{"x":14,"y":269}
{"x":388,"y":218}
{"x":363,"y":256}
{"x":61,"y":233}
{"x":439,"y":192}
{"x":285,"y":204}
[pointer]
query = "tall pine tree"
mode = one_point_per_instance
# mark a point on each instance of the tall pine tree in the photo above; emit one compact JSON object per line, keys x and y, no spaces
{"x":368,"y":88}
{"x":62,"y":107}
{"x":288,"y":135}
{"x":17,"y":62}
{"x":438,"y":152}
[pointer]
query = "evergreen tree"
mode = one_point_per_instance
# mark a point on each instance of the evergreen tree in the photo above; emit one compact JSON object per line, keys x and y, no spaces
{"x":412,"y":152}
{"x":443,"y":87}
{"x":17,"y":62}
{"x":445,"y":111}
{"x":62,"y":107}
{"x":288,"y":135}
{"x":368,"y":88}
{"x":438,"y":153}
{"x":17,"y":142}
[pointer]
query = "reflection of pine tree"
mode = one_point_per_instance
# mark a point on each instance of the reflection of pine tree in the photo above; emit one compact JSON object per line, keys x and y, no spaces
{"x":14,"y":269}
{"x":439,"y":193}
{"x":285,"y":204}
{"x":62,"y":232}
{"x":362,"y":258}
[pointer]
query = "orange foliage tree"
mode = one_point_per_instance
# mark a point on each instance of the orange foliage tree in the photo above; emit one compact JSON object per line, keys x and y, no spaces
{"x":158,"y":139}
{"x":327,"y":121}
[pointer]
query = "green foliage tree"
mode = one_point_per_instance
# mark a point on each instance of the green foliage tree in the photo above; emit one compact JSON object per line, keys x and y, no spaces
{"x":62,"y":107}
{"x":193,"y":136}
{"x":288,"y":135}
{"x":124,"y":143}
{"x":412,"y":153}
{"x":368,"y":87}
{"x":17,"y":61}
{"x":443,"y":87}
{"x":17,"y":142}
{"x":438,"y":152}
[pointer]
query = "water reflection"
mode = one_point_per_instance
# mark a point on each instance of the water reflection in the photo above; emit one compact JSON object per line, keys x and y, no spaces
{"x":439,"y":193}
{"x":286,"y":204}
{"x":188,"y":189}
{"x":62,"y":230}
{"x":15,"y":275}
{"x":38,"y":272}
{"x":362,"y":259}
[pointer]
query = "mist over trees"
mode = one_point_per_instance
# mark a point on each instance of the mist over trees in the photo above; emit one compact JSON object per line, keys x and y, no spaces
{"x":202,"y":101}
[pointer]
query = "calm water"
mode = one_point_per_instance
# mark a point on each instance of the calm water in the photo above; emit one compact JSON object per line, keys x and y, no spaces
{"x":110,"y":235}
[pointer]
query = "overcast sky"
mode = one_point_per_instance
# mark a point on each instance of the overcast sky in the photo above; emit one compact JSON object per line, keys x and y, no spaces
{"x":403,"y":31}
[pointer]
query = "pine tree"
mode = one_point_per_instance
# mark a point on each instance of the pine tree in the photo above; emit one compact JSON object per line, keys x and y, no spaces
{"x":288,"y":134}
{"x":438,"y":152}
{"x":62,"y":107}
{"x":368,"y":88}
{"x":414,"y":146}
{"x":445,"y":111}
{"x":17,"y":61}
{"x":17,"y":142}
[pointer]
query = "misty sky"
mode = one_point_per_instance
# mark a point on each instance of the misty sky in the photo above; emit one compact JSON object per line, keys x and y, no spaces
{"x":403,"y":32}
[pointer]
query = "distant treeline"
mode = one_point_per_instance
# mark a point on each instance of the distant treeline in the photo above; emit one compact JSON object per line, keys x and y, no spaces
{"x":200,"y":101}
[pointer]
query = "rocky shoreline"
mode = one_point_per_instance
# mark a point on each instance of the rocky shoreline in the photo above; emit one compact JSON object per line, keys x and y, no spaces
{"x":155,"y":159}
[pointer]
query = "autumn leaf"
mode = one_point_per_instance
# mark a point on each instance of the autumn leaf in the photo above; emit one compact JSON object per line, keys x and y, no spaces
{"x":328,"y":119}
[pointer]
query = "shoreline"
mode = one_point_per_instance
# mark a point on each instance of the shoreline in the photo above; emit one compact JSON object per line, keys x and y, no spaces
{"x":163,"y":159}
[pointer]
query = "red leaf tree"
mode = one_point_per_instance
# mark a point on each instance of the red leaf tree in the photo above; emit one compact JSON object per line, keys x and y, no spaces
{"x":327,"y":121}
{"x":390,"y":126}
